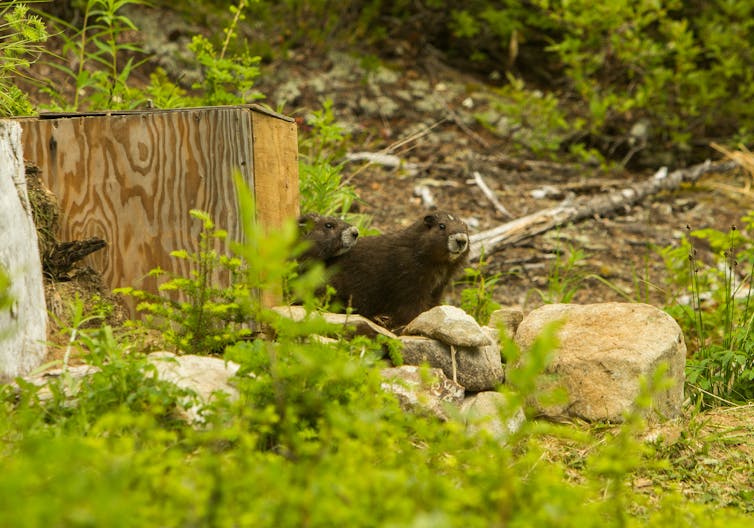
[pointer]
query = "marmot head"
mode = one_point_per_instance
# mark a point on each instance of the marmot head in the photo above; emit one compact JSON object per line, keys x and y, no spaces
{"x":328,"y":236}
{"x":450,"y":233}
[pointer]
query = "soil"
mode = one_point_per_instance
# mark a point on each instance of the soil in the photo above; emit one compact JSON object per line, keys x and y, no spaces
{"x":414,"y":105}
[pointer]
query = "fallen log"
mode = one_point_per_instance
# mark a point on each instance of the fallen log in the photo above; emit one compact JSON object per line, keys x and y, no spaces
{"x":573,"y":210}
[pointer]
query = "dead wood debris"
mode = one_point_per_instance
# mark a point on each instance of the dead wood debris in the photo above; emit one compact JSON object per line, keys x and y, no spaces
{"x":573,"y":210}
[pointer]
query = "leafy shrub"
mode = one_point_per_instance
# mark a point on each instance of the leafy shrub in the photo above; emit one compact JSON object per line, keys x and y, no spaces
{"x":530,"y":119}
{"x":197,"y":314}
{"x":322,"y":149}
{"x":667,"y":63}
{"x":226,"y":80}
{"x":21,"y":38}
{"x":100,"y":71}
{"x":477,"y":297}
{"x":106,"y":60}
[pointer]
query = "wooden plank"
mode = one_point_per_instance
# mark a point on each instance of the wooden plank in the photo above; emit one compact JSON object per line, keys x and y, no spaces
{"x":132,"y":179}
{"x":276,"y":168}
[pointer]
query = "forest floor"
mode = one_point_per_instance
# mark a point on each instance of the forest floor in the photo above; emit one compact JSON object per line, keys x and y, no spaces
{"x":423,"y":111}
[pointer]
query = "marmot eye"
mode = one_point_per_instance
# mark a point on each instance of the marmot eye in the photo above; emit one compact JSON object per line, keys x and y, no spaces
{"x":442,"y":226}
{"x":329,"y":225}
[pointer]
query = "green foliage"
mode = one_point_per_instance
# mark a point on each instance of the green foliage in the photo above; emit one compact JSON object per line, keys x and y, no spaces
{"x":105,"y":61}
{"x":564,"y":276}
{"x":6,"y":300}
{"x":228,"y":74}
{"x":313,"y":424}
{"x":21,"y":38}
{"x":666,"y":62}
{"x":682,"y":68}
{"x":477,"y":297}
{"x":196,"y":313}
{"x":531,"y":119}
{"x":720,"y":316}
{"x":101,"y":71}
{"x":321,"y":166}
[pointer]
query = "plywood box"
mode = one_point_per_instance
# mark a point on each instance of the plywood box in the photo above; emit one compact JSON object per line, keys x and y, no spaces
{"x":131,"y":178}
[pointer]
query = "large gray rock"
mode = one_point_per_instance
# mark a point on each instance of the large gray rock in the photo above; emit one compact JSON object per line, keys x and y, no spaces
{"x":23,"y":325}
{"x":492,"y":412}
{"x":450,"y":325}
{"x":432,"y":393}
{"x":604,"y":352}
{"x":477,"y":368}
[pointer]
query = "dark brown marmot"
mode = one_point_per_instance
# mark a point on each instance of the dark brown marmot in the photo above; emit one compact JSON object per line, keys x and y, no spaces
{"x":327,"y":237}
{"x":394,"y":277}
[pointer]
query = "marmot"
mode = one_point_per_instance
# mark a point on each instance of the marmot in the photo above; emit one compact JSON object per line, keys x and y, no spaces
{"x":327,"y":237}
{"x":394,"y":277}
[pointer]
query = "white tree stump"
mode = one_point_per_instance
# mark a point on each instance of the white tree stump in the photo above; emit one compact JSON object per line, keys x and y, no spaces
{"x":22,"y":326}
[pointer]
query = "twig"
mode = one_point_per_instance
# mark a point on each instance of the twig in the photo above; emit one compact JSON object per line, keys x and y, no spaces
{"x":386,"y":160}
{"x":453,"y":361}
{"x":490,"y":195}
{"x":459,"y":122}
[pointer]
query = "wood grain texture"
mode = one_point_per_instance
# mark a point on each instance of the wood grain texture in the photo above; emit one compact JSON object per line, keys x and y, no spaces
{"x":276,"y":175}
{"x":131,"y":178}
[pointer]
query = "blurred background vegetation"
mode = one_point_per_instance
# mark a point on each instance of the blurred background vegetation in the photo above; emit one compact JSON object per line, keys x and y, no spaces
{"x":610,"y":78}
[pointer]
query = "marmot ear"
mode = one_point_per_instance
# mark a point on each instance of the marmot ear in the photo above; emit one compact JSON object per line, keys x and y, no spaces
{"x":307,"y":221}
{"x":430,"y":220}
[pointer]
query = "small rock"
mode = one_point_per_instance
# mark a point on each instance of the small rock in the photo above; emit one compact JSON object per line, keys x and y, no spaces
{"x":204,"y":375}
{"x":414,"y":392}
{"x":450,"y":325}
{"x":477,"y":368}
{"x":508,"y":318}
{"x":490,"y":411}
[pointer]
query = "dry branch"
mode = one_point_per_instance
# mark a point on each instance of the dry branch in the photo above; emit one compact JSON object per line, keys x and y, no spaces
{"x":490,"y":195}
{"x":577,"y":209}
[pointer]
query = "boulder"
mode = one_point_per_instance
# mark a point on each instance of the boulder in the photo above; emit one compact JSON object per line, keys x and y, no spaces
{"x":477,"y":368}
{"x":450,"y":325}
{"x":23,"y":324}
{"x":604,"y":351}
{"x":491,"y":411}
{"x":415,"y":391}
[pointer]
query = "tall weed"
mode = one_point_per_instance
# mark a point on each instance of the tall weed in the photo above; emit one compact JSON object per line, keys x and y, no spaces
{"x":22,"y":36}
{"x":717,"y":314}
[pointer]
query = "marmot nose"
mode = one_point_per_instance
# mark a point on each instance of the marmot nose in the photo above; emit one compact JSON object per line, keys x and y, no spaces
{"x":460,"y":241}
